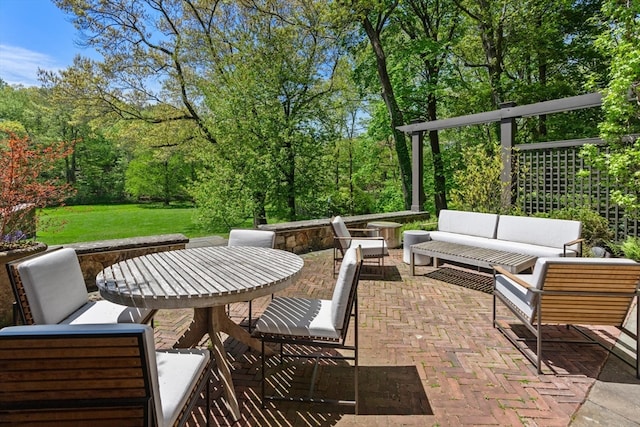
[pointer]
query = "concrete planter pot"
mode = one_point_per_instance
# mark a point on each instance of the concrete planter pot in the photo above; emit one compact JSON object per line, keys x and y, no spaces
{"x":6,"y":294}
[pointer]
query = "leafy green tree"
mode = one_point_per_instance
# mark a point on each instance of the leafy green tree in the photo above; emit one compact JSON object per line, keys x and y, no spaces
{"x":621,"y":106}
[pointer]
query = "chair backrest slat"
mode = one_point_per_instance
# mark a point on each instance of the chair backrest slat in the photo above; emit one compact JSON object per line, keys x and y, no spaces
{"x":78,"y":378}
{"x":601,"y":294}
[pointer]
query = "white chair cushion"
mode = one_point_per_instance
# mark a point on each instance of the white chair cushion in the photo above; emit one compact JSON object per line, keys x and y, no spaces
{"x":178,"y":371}
{"x":298,"y":317}
{"x":371,"y":248}
{"x":340,"y":229}
{"x":468,"y":223}
{"x":54,"y":285}
{"x":106,"y":312}
{"x":342,"y":289}
{"x":520,"y":297}
{"x":256,"y":238}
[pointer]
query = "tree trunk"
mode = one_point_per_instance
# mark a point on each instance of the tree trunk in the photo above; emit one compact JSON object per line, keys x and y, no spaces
{"x":395,"y":115}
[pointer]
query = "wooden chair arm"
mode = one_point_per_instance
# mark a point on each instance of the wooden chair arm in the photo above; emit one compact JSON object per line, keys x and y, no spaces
{"x":512,"y":277}
{"x":578,"y":242}
{"x":358,"y":238}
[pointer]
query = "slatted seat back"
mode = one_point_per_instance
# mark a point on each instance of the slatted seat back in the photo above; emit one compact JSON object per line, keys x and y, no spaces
{"x":97,"y":378}
{"x":589,"y":293}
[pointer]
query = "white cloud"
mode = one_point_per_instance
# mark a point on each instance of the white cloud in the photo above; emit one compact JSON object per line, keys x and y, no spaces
{"x":19,"y":66}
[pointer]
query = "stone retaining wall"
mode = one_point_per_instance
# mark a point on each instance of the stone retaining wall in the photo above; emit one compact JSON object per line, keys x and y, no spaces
{"x":313,"y":235}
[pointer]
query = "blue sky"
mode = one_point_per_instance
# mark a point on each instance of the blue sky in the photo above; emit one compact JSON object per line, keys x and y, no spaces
{"x":35,"y":34}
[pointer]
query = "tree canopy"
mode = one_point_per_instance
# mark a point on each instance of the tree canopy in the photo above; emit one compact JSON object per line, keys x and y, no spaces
{"x":289,"y":109}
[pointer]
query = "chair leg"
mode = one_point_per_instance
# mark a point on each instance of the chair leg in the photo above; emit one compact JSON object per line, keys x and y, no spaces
{"x":263,"y":379}
{"x":249,"y":327}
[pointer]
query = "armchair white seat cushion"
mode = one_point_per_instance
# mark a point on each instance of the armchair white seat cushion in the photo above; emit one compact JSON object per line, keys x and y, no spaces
{"x":373,"y":247}
{"x":178,"y":372}
{"x":56,"y":292}
{"x":526,"y":300}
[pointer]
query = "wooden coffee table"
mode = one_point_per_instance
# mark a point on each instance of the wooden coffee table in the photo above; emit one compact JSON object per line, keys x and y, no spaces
{"x":471,"y":255}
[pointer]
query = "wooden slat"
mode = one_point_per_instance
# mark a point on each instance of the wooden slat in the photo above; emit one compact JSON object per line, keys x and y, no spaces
{"x":603,"y":281}
{"x":73,"y":372}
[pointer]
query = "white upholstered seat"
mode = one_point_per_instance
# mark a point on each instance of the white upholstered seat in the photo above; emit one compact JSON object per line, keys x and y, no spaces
{"x":316,"y":322}
{"x":571,"y":291}
{"x":55,"y":291}
{"x":254,"y":238}
{"x":372,"y":247}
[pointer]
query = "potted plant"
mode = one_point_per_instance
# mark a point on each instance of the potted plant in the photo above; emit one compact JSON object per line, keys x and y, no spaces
{"x":24,"y":187}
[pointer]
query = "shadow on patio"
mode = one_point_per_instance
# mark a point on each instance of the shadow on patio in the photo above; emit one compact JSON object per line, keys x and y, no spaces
{"x":428,"y":355}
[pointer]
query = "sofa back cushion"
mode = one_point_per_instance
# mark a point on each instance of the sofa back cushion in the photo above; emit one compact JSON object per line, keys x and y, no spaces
{"x":469,"y":223}
{"x":538,"y":231}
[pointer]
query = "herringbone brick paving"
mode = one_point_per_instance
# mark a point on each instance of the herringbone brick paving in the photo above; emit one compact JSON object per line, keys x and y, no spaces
{"x":429,"y":356}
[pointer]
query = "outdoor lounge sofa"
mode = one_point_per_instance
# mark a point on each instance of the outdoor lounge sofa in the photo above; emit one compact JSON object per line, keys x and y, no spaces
{"x":569,"y":291}
{"x":531,"y":236}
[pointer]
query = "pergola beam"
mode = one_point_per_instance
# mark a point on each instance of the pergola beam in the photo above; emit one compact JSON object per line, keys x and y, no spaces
{"x":506,"y":116}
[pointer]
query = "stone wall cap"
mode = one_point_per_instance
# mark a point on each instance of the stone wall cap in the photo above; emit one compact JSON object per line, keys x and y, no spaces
{"x":128,"y":243}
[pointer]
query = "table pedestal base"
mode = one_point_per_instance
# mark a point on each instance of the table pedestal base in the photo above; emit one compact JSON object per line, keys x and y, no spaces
{"x":212,"y":321}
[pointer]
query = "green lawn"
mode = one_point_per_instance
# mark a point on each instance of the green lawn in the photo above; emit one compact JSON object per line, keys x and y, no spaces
{"x":102,"y":222}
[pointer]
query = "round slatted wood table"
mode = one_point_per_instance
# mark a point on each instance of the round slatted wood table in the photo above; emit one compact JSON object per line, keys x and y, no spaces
{"x":205,"y":279}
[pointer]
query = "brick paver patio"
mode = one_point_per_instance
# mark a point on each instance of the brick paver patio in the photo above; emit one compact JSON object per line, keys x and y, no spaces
{"x":429,"y":356}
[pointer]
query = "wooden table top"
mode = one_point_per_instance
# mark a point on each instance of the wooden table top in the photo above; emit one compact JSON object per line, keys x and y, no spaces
{"x":474,"y":255}
{"x":198,"y":277}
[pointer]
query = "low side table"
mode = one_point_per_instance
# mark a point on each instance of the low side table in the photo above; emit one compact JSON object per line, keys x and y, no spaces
{"x":390,"y":231}
{"x":413,"y":237}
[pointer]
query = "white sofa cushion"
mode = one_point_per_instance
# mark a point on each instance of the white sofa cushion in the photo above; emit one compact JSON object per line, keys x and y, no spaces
{"x":538,"y":231}
{"x":461,"y":239}
{"x":468,"y":223}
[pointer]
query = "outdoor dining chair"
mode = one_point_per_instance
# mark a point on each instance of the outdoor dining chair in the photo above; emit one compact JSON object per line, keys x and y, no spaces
{"x":373,"y":247}
{"x":569,"y":291}
{"x":255,"y":238}
{"x":49,"y":288}
{"x":317,"y":323}
{"x":97,"y":375}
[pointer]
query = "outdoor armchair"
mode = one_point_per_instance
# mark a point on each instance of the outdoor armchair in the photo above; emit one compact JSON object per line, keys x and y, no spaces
{"x":568,"y":291}
{"x":373,"y":248}
{"x":317,"y":323}
{"x":97,"y":375}
{"x":49,"y":288}
{"x":255,"y":238}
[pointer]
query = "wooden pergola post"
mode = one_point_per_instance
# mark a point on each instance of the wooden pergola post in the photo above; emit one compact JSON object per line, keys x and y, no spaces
{"x":508,"y":177}
{"x":417,"y":175}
